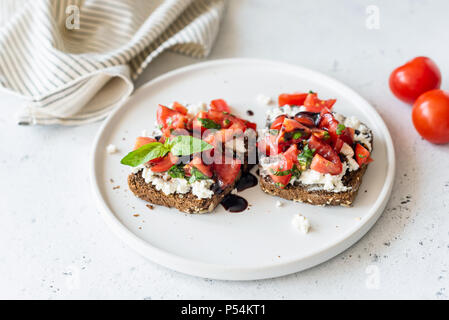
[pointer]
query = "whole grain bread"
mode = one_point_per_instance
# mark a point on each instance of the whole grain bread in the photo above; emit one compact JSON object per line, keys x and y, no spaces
{"x":188,"y":202}
{"x":302,"y":193}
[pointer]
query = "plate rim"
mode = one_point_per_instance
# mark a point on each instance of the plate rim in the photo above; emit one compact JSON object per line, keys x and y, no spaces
{"x":276,"y":269}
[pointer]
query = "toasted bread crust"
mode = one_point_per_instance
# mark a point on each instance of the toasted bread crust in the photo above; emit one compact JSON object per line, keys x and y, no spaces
{"x":187,"y":203}
{"x":317,"y":197}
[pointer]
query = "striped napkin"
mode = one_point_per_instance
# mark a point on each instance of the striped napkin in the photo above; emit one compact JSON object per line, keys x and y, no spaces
{"x":73,"y":61}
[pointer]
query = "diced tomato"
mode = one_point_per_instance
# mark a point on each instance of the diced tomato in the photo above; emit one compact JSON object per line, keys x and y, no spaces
{"x":295,"y":99}
{"x":313,"y":104}
{"x":219,"y":105}
{"x":288,"y":133}
{"x":251,"y":125}
{"x":280,"y":171}
{"x":269,"y":146}
{"x":179,"y":107}
{"x":203,"y":168}
{"x":322,"y":165}
{"x":321,"y":134}
{"x":290,"y":125}
{"x":166,"y":163}
{"x":362,"y":155}
{"x":329,"y":122}
{"x":227,"y":171}
{"x":328,"y":153}
{"x":170,"y":119}
{"x":277,"y":123}
{"x":338,"y":145}
{"x":141,"y":141}
{"x":292,"y":153}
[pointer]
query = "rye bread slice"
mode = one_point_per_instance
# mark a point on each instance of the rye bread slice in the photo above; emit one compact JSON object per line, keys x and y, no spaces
{"x":302,"y":193}
{"x":188,"y":203}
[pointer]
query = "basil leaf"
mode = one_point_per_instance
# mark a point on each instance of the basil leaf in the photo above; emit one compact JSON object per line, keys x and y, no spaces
{"x":196,"y":175}
{"x":280,"y":173}
{"x":187,"y":145}
{"x":340,"y":128}
{"x":305,"y":157}
{"x":209,"y":124}
{"x":177,"y":171}
{"x":144,"y":154}
{"x":297,"y":135}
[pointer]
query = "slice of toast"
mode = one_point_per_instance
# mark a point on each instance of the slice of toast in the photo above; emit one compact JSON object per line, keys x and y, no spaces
{"x":302,"y":193}
{"x":187,"y":203}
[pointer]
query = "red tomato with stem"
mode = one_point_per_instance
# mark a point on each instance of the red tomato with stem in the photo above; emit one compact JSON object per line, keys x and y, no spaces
{"x":414,"y":78}
{"x":430,"y":116}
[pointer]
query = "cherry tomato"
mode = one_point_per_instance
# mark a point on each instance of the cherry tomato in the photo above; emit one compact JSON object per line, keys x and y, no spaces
{"x":430,"y":116}
{"x":166,"y":163}
{"x":414,"y":78}
{"x":295,"y":99}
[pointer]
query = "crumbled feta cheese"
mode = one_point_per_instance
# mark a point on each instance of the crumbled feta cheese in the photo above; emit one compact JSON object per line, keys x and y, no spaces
{"x":290,"y":111}
{"x":329,"y":182}
{"x":301,"y":223}
{"x":352,"y":164}
{"x":347,"y":150}
{"x":197,"y":107}
{"x":111,"y":149}
{"x":169,"y":185}
{"x":201,"y":189}
{"x":263,"y":99}
{"x":279,"y":204}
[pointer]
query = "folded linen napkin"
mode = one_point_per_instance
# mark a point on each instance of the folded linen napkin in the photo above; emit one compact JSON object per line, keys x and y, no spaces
{"x":75,"y":60}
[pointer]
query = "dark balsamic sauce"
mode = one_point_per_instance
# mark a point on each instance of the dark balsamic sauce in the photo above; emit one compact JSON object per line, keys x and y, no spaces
{"x":250,"y":112}
{"x":234,"y":203}
{"x":247,"y":181}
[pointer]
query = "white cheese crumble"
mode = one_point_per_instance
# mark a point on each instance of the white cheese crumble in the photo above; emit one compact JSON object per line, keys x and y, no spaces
{"x":363,"y":135}
{"x":263,"y":99}
{"x":326,"y":181}
{"x":193,"y":109}
{"x":169,"y":185}
{"x":279,"y":204}
{"x":290,"y":111}
{"x":301,"y":223}
{"x":111,"y":149}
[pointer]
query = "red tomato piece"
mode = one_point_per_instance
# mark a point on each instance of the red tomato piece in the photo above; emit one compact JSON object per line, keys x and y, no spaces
{"x":414,"y":78}
{"x":322,"y":165}
{"x":227,"y":171}
{"x":281,"y":172}
{"x":269,"y":146}
{"x":313,"y":104}
{"x":295,"y":99}
{"x":219,"y":105}
{"x":141,"y":141}
{"x":430,"y":116}
{"x":277,"y":123}
{"x":328,"y":153}
{"x":166,"y":163}
{"x":362,"y":155}
{"x":203,"y":168}
{"x":179,"y":107}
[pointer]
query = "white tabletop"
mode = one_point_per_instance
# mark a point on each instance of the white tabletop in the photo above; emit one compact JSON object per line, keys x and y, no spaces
{"x":54,"y":244}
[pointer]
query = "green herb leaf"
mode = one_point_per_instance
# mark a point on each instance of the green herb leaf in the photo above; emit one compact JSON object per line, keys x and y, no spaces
{"x":297,"y":135}
{"x":280,"y":185}
{"x":280,"y":173}
{"x":196,"y":175}
{"x":144,"y":154}
{"x":340,"y":128}
{"x":305,"y":157}
{"x":187,"y":145}
{"x":209,"y":124}
{"x":177,"y":171}
{"x":274,"y":132}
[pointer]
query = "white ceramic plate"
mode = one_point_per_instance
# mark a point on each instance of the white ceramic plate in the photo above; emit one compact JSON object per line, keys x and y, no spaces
{"x":258,"y":243}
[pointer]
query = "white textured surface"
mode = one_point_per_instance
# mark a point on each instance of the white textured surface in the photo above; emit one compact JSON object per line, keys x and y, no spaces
{"x":53,"y":243}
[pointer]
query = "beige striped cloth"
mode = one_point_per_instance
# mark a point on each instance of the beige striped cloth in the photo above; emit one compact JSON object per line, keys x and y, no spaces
{"x":73,"y":61}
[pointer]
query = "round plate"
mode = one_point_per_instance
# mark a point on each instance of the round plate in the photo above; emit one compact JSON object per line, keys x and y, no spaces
{"x":260,"y":242}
